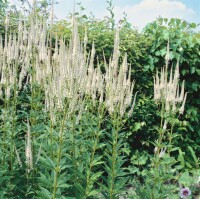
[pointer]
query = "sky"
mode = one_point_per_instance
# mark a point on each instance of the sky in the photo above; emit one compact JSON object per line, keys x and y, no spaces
{"x":139,"y":12}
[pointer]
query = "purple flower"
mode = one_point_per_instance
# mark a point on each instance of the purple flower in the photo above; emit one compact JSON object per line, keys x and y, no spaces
{"x":185,"y":192}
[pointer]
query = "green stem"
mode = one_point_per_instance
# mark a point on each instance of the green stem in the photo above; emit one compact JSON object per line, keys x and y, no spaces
{"x":162,"y":113}
{"x":116,"y":125}
{"x":51,"y":139}
{"x":5,"y":119}
{"x":161,"y":131}
{"x":96,"y":138}
{"x":32,"y":116}
{"x":59,"y":154}
{"x":74,"y":143}
{"x":161,"y":134}
{"x":13,"y":124}
{"x":171,"y":133}
{"x":4,"y":132}
{"x":27,"y":185}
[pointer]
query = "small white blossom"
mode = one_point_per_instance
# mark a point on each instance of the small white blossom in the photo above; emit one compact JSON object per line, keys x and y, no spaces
{"x":162,"y":152}
{"x":155,"y":149}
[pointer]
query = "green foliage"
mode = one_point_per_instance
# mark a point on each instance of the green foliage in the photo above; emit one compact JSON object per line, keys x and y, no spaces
{"x":3,"y":4}
{"x":100,"y":156}
{"x":164,"y":171}
{"x":116,"y":176}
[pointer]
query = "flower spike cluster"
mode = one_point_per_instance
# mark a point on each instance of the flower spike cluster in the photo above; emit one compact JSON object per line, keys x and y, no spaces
{"x":167,"y":90}
{"x":118,"y":84}
{"x":67,"y":73}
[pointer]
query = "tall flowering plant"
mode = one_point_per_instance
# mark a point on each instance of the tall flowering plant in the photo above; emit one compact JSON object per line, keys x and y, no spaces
{"x":170,"y":97}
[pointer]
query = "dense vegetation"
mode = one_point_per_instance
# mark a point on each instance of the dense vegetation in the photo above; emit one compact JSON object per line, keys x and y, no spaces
{"x":94,"y":109}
